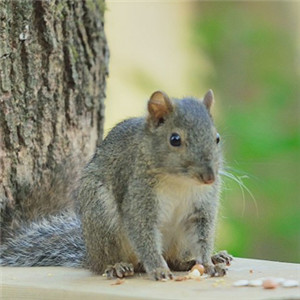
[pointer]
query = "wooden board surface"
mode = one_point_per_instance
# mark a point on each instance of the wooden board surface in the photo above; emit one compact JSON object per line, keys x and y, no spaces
{"x":68,"y":283}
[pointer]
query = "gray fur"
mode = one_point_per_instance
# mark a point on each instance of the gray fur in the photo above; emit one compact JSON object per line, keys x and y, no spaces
{"x":118,"y":193}
{"x":140,"y":200}
{"x":55,"y":241}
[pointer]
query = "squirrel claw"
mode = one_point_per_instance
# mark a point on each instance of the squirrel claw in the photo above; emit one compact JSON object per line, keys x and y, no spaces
{"x":119,"y":270}
{"x":162,"y":274}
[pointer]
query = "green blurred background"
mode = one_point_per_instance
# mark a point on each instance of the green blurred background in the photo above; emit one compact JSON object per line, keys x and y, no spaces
{"x":249,"y":54}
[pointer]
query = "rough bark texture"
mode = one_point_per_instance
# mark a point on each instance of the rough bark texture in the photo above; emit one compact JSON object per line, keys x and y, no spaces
{"x":53,"y":66}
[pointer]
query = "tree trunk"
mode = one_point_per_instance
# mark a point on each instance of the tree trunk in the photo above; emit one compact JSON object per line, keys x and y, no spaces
{"x":53,"y":68}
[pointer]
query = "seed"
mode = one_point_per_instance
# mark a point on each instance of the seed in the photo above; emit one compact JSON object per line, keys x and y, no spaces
{"x":290,"y":283}
{"x":256,"y":282}
{"x":270,"y":284}
{"x":242,"y":282}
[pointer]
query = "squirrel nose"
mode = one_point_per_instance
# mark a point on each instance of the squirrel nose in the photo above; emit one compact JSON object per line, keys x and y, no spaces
{"x":208,"y":176}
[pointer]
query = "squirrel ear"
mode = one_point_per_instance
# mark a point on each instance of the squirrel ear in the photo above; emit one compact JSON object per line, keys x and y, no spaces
{"x":159,"y":106}
{"x":209,"y":99}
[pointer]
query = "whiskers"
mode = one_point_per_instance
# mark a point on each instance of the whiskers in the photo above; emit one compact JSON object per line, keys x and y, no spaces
{"x":241,"y":184}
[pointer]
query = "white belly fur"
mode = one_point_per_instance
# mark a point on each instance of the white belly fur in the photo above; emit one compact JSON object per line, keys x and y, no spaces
{"x":176,"y":197}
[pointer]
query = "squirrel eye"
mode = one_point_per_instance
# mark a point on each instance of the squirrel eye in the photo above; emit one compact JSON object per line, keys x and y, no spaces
{"x":175,"y":140}
{"x":218,"y":138}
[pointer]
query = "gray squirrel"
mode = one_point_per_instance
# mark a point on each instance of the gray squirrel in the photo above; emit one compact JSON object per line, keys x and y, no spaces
{"x":146,"y":201}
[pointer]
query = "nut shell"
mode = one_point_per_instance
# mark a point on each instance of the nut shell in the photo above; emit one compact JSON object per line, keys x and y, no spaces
{"x":198,"y":267}
{"x":194,"y":274}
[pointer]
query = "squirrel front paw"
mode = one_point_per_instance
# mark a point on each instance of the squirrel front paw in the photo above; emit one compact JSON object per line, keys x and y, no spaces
{"x":119,"y":270}
{"x":162,"y":274}
{"x":220,"y":261}
{"x":222,"y":257}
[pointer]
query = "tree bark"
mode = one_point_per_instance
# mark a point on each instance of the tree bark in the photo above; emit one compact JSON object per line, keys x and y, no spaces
{"x":53,"y":68}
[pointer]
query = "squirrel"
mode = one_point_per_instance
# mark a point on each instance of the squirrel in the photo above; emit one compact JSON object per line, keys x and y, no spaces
{"x":146,"y":201}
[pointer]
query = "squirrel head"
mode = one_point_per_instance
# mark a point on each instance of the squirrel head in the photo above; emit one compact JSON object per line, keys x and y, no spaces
{"x":182,"y":137}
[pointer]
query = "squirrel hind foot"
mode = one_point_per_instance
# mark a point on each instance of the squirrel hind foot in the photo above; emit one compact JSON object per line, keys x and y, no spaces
{"x":217,"y":270}
{"x":119,"y":270}
{"x":162,"y":274}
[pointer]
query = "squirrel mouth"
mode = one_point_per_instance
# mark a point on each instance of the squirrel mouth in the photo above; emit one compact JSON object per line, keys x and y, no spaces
{"x":202,"y":181}
{"x":206,"y":178}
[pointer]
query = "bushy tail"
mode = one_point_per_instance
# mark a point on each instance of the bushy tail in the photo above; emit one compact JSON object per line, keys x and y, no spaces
{"x":52,"y":241}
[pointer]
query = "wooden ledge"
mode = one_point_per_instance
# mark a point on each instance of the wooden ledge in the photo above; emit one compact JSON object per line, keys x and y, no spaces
{"x":69,"y":283}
